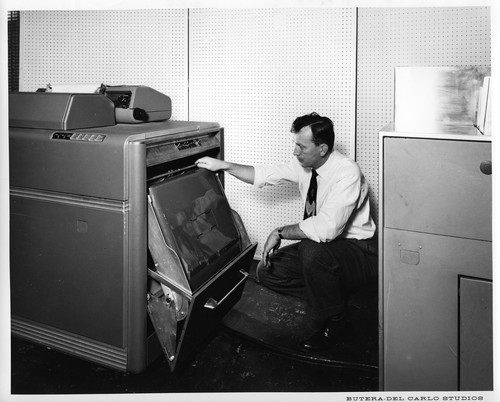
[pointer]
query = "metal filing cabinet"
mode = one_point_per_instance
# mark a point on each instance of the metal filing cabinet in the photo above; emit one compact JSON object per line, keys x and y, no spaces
{"x":436,"y":261}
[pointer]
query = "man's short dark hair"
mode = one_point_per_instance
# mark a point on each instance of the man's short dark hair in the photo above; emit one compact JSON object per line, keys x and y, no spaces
{"x":321,"y":127}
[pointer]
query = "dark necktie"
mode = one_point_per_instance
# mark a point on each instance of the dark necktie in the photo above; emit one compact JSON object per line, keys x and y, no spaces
{"x":310,"y":208}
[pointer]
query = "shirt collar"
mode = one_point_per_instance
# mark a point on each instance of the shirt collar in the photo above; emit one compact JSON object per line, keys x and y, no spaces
{"x":325,"y":167}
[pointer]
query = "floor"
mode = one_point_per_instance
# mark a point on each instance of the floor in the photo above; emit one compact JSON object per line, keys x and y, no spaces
{"x":228,"y":364}
{"x":251,"y":351}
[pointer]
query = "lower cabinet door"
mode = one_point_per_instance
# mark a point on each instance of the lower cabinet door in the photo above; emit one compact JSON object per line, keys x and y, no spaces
{"x":476,"y":328}
{"x":422,"y":274}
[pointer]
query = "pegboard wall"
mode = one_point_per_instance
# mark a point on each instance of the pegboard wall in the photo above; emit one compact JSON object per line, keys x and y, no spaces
{"x":394,"y":37}
{"x":255,"y":71}
{"x":114,"y":47}
{"x":251,"y":70}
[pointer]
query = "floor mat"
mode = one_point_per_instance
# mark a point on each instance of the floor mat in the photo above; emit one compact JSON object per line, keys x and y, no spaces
{"x":277,"y":322}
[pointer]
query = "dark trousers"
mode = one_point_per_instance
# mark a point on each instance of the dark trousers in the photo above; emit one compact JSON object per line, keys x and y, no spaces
{"x":323,"y":274}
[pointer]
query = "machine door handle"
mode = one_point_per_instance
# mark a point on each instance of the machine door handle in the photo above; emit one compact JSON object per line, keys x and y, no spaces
{"x":485,"y":167}
{"x":212,"y":304}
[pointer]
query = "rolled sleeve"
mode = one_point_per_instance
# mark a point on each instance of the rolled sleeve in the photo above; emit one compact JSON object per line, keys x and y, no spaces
{"x":309,"y":229}
{"x":274,"y":175}
{"x":259,"y":180}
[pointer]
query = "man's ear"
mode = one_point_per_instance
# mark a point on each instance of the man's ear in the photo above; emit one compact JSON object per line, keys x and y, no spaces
{"x":323,"y":149}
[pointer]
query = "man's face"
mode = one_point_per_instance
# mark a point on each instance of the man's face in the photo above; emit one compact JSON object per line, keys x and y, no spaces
{"x":306,"y":151}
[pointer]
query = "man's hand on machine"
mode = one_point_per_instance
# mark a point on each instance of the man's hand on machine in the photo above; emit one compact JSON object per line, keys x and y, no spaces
{"x":211,"y":164}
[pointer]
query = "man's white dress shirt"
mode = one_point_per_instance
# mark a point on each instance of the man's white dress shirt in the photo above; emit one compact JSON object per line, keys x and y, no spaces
{"x":342,"y":204}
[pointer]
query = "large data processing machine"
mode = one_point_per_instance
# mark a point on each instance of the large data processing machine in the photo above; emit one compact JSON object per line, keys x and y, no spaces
{"x":121,"y":249}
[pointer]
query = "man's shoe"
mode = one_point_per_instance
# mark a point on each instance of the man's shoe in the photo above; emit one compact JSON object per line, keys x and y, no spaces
{"x":324,"y":339}
{"x":319,"y":342}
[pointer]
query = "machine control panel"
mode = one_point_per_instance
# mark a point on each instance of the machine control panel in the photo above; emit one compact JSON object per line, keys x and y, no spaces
{"x":78,"y":137}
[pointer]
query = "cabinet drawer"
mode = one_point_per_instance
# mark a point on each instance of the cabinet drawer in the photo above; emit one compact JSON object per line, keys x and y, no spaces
{"x":437,"y":186}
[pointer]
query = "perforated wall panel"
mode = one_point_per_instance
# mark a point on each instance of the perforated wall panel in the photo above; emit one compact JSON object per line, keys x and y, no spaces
{"x":391,"y":37}
{"x":254,"y":71}
{"x":119,"y":47}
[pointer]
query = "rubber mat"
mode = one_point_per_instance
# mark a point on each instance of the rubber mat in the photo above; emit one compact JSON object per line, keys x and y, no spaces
{"x":277,"y":322}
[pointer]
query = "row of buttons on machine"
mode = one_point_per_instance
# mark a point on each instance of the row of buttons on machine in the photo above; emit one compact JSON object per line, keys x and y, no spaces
{"x":79,"y":137}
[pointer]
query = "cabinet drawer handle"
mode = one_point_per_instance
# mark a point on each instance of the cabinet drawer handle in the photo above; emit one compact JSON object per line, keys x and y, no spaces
{"x":212,"y":304}
{"x":485,"y":167}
